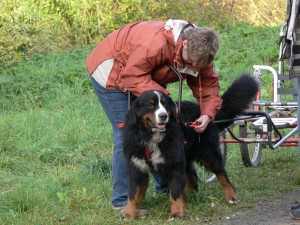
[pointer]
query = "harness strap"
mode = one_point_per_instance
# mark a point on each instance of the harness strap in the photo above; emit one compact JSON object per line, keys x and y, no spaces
{"x":148,"y":155}
{"x":121,"y":125}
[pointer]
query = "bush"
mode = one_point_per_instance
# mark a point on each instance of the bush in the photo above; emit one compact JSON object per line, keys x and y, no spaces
{"x":35,"y":26}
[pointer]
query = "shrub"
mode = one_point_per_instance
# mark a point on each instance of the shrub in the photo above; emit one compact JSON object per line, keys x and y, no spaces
{"x":35,"y":26}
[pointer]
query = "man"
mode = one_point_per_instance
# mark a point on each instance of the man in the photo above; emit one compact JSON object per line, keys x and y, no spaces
{"x":134,"y":59}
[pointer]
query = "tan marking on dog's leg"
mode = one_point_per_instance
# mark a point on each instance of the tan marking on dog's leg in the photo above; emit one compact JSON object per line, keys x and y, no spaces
{"x":177,"y":207}
{"x":230,"y":194}
{"x":205,"y":165}
{"x":229,"y":191}
{"x":191,"y":183}
{"x":131,"y":208}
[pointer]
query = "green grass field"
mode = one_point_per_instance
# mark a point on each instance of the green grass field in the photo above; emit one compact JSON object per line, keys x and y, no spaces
{"x":55,"y":145}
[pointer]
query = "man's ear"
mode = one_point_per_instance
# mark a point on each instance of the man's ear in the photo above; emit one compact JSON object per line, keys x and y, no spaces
{"x":185,"y":43}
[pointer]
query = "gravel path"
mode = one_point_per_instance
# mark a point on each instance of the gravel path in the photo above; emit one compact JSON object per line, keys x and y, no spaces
{"x":274,"y":211}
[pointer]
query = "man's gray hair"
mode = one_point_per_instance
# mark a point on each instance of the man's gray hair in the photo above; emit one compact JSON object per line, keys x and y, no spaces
{"x":202,"y":44}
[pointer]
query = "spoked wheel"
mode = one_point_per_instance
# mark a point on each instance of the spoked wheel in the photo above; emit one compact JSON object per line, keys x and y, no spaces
{"x":206,"y":176}
{"x":250,"y":152}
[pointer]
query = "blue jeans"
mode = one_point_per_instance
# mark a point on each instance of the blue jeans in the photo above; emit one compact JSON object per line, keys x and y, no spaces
{"x":115,"y":104}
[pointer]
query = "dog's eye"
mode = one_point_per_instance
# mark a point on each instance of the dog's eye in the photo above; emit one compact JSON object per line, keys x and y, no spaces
{"x":151,"y":104}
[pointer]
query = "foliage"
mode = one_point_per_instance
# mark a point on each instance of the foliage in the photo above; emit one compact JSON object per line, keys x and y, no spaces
{"x":22,"y":87}
{"x":33,"y":26}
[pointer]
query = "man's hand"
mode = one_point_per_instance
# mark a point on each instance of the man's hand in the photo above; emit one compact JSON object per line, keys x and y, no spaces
{"x":202,"y":123}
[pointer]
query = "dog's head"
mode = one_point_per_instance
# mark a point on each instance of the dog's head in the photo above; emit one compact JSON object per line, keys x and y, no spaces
{"x":152,"y":110}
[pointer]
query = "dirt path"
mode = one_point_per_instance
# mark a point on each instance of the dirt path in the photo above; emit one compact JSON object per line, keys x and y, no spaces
{"x":274,"y":211}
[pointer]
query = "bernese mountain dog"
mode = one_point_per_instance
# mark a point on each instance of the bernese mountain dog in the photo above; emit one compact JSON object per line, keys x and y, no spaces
{"x":155,"y":139}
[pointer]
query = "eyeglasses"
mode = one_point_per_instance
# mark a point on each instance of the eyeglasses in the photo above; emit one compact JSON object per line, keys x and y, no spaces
{"x":195,"y":61}
{"x":190,"y":59}
{"x":199,"y":62}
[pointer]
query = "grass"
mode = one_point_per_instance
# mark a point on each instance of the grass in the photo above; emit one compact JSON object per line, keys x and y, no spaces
{"x":55,"y":146}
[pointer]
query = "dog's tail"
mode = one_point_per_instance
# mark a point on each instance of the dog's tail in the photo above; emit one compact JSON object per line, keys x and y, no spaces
{"x":237,"y":99}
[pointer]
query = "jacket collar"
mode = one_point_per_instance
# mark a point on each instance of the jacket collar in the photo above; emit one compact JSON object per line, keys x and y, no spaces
{"x":171,"y":31}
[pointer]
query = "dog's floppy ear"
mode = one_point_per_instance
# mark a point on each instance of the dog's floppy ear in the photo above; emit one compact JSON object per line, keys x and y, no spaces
{"x":132,"y":114}
{"x":173,"y":108}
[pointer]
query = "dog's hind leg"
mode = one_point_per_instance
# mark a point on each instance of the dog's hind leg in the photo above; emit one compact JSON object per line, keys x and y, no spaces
{"x":218,"y":169}
{"x":192,"y":177}
{"x":229,"y":190}
{"x":213,"y":160}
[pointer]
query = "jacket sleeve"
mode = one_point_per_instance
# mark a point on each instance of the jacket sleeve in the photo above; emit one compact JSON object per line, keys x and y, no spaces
{"x":207,"y":91}
{"x":136,"y":75}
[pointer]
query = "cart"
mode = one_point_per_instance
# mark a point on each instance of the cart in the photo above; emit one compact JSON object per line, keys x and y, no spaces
{"x":270,"y":123}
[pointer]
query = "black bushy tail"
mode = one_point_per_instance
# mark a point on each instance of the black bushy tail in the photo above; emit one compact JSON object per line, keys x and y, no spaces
{"x":237,"y":98}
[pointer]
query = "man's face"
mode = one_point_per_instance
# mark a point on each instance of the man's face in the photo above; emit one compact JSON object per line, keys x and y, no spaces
{"x":186,"y":56}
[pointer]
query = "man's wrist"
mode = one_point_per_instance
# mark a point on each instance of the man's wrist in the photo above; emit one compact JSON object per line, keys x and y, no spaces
{"x":209,"y":119}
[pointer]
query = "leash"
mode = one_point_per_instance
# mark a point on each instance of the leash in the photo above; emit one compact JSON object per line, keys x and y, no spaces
{"x":180,"y":77}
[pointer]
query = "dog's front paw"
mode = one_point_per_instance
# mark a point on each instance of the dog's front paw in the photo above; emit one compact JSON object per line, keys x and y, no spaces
{"x":233,"y":200}
{"x":177,"y":208}
{"x":175,"y":217}
{"x":129,"y":212}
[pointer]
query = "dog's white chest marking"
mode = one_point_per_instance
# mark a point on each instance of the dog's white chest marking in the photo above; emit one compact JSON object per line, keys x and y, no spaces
{"x":141,"y":164}
{"x":155,"y":154}
{"x":156,"y":157}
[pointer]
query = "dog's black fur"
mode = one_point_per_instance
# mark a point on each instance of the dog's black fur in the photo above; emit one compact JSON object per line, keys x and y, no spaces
{"x":160,"y":131}
{"x":207,"y":151}
{"x":162,"y":135}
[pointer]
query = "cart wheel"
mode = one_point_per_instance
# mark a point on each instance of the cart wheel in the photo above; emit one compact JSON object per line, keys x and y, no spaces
{"x":250,"y":152}
{"x":206,"y":176}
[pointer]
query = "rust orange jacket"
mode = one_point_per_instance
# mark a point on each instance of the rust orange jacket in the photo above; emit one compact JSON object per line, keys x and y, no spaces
{"x":140,"y":52}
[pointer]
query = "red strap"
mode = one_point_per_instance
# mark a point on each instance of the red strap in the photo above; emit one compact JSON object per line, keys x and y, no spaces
{"x":147,"y":153}
{"x":121,"y":125}
{"x":193,"y":124}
